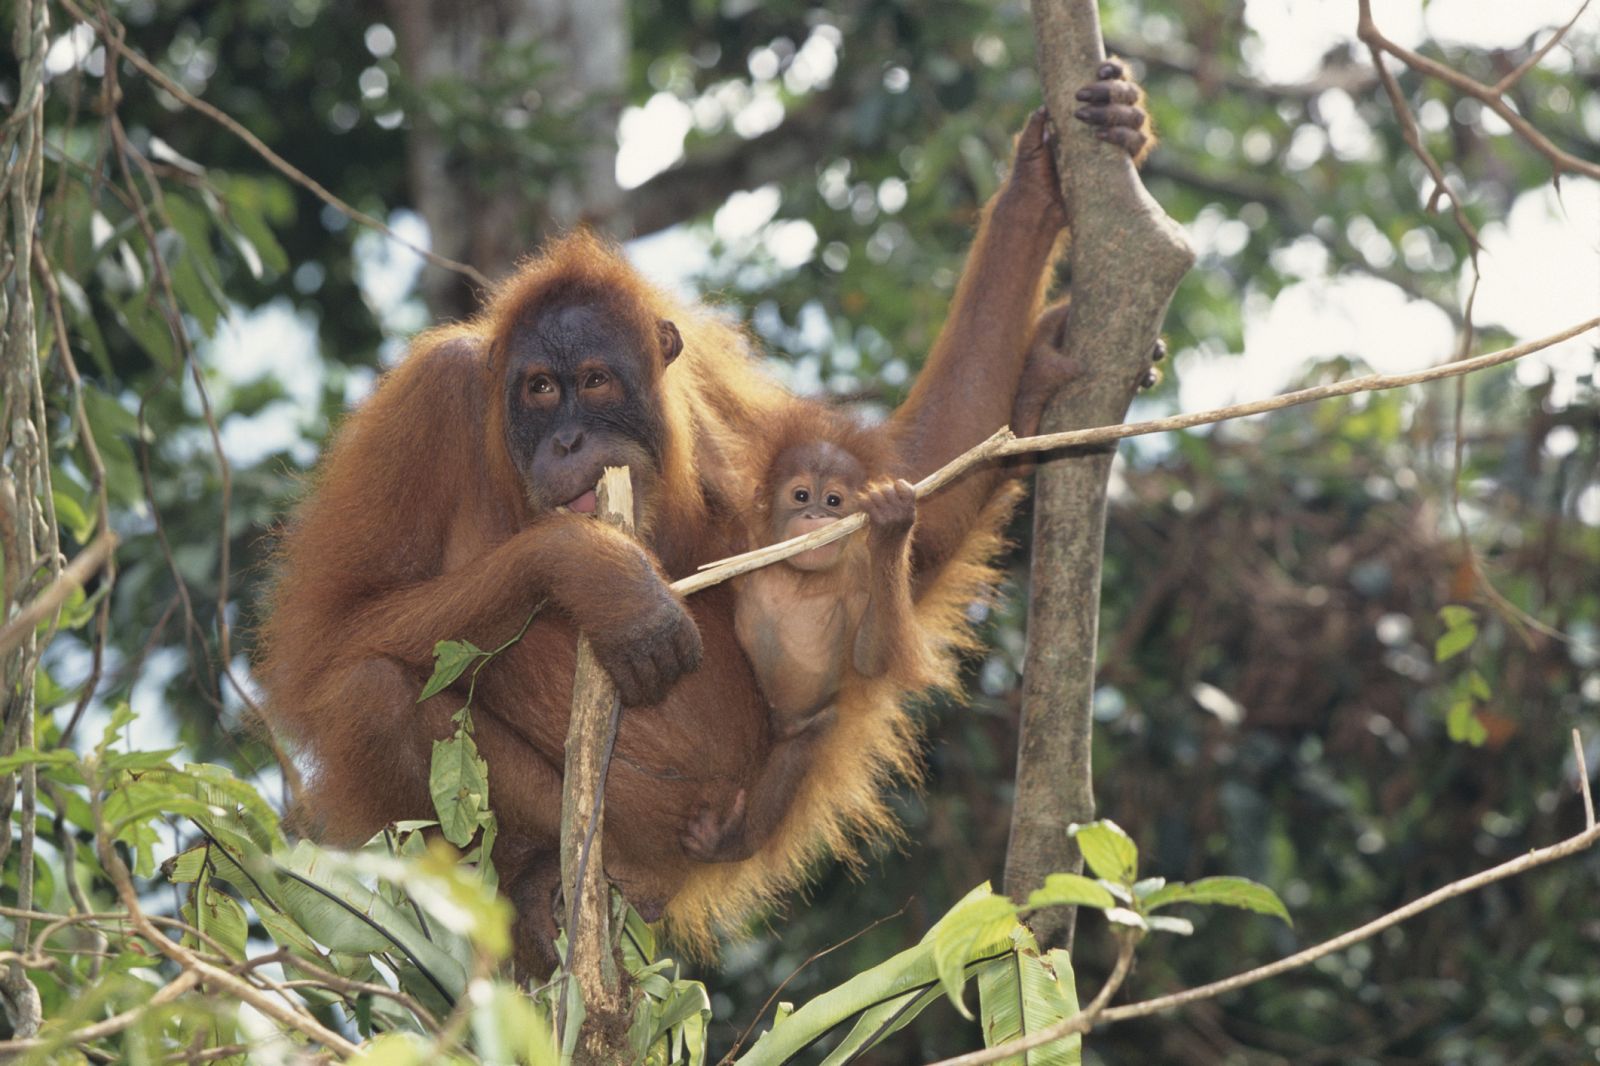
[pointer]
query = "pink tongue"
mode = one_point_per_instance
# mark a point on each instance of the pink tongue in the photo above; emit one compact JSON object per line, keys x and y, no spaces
{"x":584,"y":504}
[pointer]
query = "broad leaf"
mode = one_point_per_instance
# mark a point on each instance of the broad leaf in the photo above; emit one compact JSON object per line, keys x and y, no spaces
{"x":459,"y":782}
{"x":1464,"y":725}
{"x":1023,"y":994}
{"x":450,"y":660}
{"x":1110,"y":852}
{"x":321,"y":892}
{"x":881,"y":1022}
{"x":905,"y":977}
{"x":396,"y":1049}
{"x":1070,"y":890}
{"x":10,"y":764}
{"x":974,"y":927}
{"x":1223,"y":891}
{"x":219,"y":916}
{"x":289,"y":936}
{"x":1453,"y":642}
{"x":507,"y":1027}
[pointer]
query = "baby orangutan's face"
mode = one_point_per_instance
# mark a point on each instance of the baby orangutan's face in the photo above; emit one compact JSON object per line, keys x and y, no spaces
{"x":814,"y":485}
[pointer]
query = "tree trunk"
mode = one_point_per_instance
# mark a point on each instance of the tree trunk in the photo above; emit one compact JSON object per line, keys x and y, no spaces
{"x":1127,"y":258}
{"x":588,"y":43}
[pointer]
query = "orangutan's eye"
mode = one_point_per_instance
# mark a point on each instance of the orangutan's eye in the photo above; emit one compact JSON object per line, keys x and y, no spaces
{"x":541,"y":384}
{"x":595,"y":379}
{"x":834,"y":499}
{"x":801,"y":495}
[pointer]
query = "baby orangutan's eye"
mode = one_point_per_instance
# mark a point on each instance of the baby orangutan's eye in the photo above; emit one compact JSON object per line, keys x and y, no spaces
{"x":834,"y":499}
{"x":801,"y":495}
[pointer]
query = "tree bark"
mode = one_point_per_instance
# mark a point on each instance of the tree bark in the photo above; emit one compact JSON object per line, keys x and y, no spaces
{"x":1127,"y":258}
{"x":589,"y":41}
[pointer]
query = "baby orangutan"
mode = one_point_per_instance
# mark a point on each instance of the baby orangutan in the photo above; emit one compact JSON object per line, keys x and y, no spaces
{"x":807,"y":621}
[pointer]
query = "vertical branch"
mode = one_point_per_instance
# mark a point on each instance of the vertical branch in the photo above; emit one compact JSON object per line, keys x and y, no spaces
{"x":28,"y":532}
{"x":591,"y":733}
{"x":1127,"y":258}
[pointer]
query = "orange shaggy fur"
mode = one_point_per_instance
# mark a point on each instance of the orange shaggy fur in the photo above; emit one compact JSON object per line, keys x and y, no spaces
{"x":417,"y":529}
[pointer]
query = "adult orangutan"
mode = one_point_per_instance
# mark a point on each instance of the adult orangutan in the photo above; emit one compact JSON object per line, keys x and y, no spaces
{"x":453,"y":504}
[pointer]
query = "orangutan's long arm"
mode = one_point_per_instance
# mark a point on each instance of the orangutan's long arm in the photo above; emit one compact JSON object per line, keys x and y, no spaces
{"x":966,"y":390}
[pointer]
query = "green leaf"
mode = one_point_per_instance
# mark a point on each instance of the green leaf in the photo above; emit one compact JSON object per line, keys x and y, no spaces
{"x":458,"y":779}
{"x":450,"y":660}
{"x":395,"y":1049}
{"x":121,"y":715}
{"x":33,"y":757}
{"x":1164,"y":923}
{"x":220,"y":917}
{"x":909,"y":978}
{"x":1109,"y":851}
{"x":112,"y":422}
{"x":185,"y":867}
{"x":321,"y":892}
{"x":194,"y":226}
{"x":147,"y":326}
{"x":289,"y":936}
{"x":1023,"y":994}
{"x":47,"y":692}
{"x":1464,"y":725}
{"x":507,"y":1027}
{"x":194,"y":296}
{"x":677,"y":1014}
{"x":974,"y":927}
{"x":1477,"y":687}
{"x":107,"y":415}
{"x":136,"y":798}
{"x":245,"y":808}
{"x":877,"y":1024}
{"x":1454,"y":616}
{"x":76,"y":610}
{"x":83,"y":317}
{"x":71,"y":515}
{"x":638,"y":940}
{"x":250,"y":205}
{"x":1070,"y":890}
{"x":140,"y":761}
{"x":1238,"y":892}
{"x":251,"y":231}
{"x":1453,"y":642}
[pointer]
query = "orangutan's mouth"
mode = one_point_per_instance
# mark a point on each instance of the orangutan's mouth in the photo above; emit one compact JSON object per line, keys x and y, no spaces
{"x":584,"y":504}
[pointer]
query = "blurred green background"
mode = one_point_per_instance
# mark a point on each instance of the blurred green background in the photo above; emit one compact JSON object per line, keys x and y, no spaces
{"x":1269,"y":701}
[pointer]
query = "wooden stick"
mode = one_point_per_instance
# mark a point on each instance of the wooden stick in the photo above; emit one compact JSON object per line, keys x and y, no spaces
{"x":591,"y":732}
